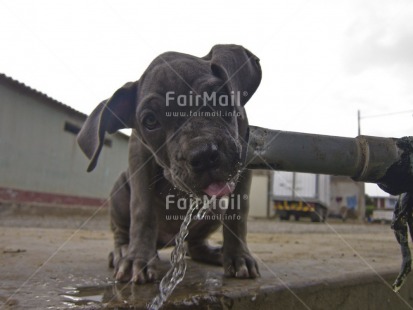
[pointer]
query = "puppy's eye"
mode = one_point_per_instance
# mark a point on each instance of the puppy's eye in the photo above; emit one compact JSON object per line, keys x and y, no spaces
{"x":150,"y":121}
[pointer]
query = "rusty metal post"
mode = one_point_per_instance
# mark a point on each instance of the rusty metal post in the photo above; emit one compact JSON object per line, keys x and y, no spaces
{"x":385,"y":161}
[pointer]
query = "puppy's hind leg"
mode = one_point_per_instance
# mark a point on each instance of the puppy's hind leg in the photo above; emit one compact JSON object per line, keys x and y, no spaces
{"x":197,"y":243}
{"x":119,"y":210}
{"x":202,"y":252}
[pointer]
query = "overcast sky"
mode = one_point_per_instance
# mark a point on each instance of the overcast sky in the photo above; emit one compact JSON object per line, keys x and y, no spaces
{"x":321,"y":60}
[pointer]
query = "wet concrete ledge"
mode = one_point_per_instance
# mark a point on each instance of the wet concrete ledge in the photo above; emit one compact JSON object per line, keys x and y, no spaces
{"x":361,"y":292}
{"x":303,"y":266}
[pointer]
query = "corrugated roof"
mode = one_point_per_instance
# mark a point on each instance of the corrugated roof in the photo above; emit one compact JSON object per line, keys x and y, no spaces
{"x":35,"y":92}
{"x":47,"y":99}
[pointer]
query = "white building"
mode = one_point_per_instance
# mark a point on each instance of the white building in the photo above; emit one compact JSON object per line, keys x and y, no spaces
{"x":40,"y":161}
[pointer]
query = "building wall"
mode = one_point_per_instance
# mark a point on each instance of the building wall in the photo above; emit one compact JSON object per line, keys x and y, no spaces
{"x":37,"y":154}
{"x":343,"y":191}
{"x":259,"y":194}
{"x":385,"y":202}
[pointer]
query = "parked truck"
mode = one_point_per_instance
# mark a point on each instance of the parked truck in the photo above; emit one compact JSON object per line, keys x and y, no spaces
{"x":300,"y":195}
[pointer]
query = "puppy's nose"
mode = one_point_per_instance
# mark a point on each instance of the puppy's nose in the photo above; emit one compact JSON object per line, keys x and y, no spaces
{"x":204,"y":157}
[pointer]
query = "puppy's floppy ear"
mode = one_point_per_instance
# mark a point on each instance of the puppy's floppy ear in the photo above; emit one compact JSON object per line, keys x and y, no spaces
{"x":238,"y":67}
{"x":109,"y":116}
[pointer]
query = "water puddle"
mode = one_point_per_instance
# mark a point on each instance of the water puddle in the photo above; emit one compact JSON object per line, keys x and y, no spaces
{"x":111,"y":295}
{"x":84,"y":296}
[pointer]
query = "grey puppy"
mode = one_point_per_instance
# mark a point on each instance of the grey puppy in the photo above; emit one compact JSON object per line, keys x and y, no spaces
{"x":189,"y":133}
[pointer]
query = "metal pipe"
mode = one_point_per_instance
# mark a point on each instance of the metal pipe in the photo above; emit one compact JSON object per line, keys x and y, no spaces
{"x":385,"y":161}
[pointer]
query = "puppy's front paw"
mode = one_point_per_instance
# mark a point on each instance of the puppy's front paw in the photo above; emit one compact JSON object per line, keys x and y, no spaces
{"x":136,"y":270}
{"x":115,"y":256}
{"x":241,"y":265}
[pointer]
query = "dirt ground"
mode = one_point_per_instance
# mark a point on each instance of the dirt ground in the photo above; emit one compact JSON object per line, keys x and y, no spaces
{"x":57,"y":259}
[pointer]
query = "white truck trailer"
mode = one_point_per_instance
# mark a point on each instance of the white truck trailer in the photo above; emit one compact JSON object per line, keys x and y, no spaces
{"x":300,"y":194}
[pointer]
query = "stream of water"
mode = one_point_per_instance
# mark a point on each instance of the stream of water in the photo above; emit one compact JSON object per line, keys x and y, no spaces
{"x":178,"y":264}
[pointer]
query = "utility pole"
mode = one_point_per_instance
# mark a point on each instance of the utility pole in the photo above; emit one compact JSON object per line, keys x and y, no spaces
{"x":361,"y":199}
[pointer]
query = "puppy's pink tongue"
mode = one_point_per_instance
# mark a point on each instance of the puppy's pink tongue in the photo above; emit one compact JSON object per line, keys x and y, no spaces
{"x":220,"y":189}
